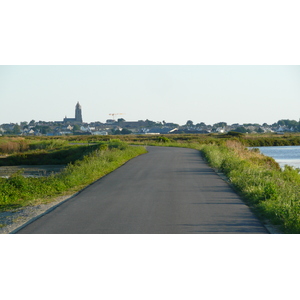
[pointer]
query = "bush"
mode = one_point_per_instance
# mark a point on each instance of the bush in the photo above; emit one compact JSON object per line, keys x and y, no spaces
{"x":117,"y":144}
{"x":235,"y":134}
{"x":162,"y":139}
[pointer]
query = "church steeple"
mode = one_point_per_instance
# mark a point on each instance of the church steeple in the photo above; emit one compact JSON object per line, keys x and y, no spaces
{"x":78,"y":113}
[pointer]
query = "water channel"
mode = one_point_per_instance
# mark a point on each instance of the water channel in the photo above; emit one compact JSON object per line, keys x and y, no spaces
{"x":31,"y":171}
{"x":284,"y":155}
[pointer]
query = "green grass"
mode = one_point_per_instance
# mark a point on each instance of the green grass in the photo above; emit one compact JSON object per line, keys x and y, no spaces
{"x":48,"y":144}
{"x":55,"y":156}
{"x":18,"y":191}
{"x":273,"y":193}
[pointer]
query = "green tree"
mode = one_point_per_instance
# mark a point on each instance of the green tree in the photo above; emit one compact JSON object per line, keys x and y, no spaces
{"x":126,"y":131}
{"x":189,"y":123}
{"x":149,"y":123}
{"x":116,"y":131}
{"x":241,"y":129}
{"x":17,"y":129}
{"x":76,"y":127}
{"x":44,"y":129}
{"x":172,"y":125}
{"x":220,"y":124}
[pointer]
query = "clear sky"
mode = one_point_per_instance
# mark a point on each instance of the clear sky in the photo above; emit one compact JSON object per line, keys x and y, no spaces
{"x":213,"y":61}
{"x":209,"y":94}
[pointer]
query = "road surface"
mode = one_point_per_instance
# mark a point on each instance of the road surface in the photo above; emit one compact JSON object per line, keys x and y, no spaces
{"x":168,"y":190}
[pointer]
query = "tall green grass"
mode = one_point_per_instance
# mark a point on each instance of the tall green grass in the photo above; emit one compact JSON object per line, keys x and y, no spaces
{"x":272,"y":192}
{"x":48,"y":144}
{"x":18,"y":191}
{"x":13,"y":145}
{"x":21,"y":144}
{"x":52,"y":156}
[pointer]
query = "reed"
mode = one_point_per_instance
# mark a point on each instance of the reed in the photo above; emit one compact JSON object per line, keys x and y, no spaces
{"x":13,"y":145}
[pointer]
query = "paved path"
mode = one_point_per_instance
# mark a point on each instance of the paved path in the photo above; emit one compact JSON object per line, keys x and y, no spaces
{"x":168,"y":190}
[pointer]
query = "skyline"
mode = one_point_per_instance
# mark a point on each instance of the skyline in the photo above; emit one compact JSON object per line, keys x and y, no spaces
{"x":209,"y":94}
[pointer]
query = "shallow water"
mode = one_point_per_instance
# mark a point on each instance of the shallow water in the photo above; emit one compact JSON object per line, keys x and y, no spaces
{"x":32,"y":170}
{"x":284,"y":155}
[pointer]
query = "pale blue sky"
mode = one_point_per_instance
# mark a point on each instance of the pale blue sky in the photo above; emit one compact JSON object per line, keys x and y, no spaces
{"x":210,"y":94}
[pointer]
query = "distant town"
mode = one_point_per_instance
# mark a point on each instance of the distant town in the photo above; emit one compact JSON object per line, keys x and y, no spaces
{"x":115,"y":126}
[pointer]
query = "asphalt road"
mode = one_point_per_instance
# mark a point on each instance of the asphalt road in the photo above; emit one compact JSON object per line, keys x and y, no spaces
{"x":168,"y":190}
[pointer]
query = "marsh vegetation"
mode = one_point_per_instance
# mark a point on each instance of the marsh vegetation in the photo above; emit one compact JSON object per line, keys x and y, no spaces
{"x":272,"y":192}
{"x":85,"y":164}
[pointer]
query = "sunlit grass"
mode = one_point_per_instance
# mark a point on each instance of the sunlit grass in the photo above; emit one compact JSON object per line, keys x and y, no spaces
{"x":18,"y":191}
{"x":274,"y":193}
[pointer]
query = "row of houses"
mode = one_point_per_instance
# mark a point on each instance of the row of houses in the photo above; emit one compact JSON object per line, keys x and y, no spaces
{"x":138,"y":127}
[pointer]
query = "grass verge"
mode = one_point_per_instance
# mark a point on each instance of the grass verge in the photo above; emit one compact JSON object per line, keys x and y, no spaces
{"x":273,"y":193}
{"x":18,"y":191}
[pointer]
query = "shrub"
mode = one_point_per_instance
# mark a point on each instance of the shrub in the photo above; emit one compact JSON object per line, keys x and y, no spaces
{"x":235,"y":134}
{"x":162,"y":139}
{"x":117,"y":144}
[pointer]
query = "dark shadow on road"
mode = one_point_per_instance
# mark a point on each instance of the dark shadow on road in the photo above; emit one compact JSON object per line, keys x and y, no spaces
{"x":225,"y":227}
{"x":200,"y":171}
{"x":216,"y":203}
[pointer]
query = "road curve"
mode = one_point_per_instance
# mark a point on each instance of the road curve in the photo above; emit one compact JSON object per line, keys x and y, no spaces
{"x":168,"y":190}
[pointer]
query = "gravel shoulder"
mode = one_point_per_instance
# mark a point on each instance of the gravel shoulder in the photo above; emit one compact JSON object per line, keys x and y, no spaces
{"x":12,"y":220}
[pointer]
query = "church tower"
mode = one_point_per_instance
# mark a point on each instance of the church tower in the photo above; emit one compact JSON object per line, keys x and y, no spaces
{"x":78,"y":113}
